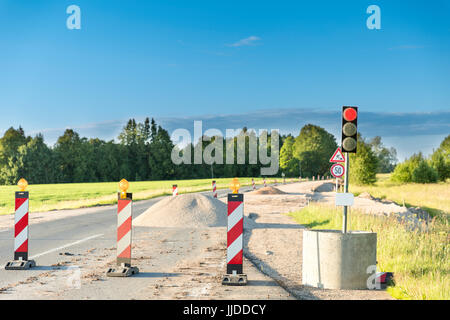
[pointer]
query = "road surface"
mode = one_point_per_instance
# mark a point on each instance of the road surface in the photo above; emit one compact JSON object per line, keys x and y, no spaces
{"x":82,"y":238}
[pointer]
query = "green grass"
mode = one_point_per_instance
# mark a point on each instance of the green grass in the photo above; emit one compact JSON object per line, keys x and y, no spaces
{"x":420,"y":261}
{"x":433,"y":197}
{"x":47,"y":197}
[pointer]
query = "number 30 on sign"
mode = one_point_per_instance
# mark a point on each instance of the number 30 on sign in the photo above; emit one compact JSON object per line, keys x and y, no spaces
{"x":337,"y":170}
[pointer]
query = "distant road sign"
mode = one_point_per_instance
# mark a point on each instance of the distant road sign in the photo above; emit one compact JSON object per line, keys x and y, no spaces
{"x":337,"y":156}
{"x":337,"y":170}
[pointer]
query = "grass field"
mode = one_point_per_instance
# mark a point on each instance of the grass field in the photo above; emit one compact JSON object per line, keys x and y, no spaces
{"x":420,"y":261}
{"x":433,"y":197}
{"x":48,"y":197}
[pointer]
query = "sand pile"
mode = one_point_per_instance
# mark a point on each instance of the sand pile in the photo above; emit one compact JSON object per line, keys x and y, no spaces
{"x":267,"y":190}
{"x":187,"y":210}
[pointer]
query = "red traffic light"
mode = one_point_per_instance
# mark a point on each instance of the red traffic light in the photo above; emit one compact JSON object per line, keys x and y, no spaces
{"x":349,"y":129}
{"x":350,"y":114}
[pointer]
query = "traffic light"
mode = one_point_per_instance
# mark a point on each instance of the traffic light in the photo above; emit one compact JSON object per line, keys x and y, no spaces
{"x":349,"y":129}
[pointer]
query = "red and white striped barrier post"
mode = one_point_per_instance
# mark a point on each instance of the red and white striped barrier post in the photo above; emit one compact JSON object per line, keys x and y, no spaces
{"x":265,"y":185}
{"x":21,"y":261}
{"x":383,"y":279}
{"x":253,"y":184}
{"x":174,"y":190}
{"x":235,"y":237}
{"x":124,"y":226}
{"x":214,"y":189}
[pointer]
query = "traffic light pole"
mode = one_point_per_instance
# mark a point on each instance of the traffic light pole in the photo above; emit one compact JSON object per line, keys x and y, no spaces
{"x":347,"y":165}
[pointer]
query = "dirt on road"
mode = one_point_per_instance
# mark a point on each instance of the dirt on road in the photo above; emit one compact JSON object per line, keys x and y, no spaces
{"x":188,"y":263}
{"x":174,"y":263}
{"x":274,"y":242}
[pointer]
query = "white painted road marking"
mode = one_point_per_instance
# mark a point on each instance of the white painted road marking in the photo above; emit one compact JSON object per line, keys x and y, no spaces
{"x":66,"y":246}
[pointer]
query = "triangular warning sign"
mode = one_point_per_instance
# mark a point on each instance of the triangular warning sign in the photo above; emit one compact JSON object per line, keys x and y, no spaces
{"x":337,"y":156}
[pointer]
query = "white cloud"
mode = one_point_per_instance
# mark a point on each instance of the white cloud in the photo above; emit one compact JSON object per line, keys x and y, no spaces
{"x":250,"y":41}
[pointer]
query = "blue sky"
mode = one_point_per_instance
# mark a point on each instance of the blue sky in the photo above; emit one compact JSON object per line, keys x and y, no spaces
{"x":183,"y":59}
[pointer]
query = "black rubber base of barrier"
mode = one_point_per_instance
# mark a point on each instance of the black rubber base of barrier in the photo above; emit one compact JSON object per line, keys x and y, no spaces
{"x":20,"y":265}
{"x":122,"y":271}
{"x":234,"y":280}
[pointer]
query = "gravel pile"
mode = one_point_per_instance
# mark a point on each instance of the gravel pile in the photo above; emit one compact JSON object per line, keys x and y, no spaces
{"x":267,"y":190}
{"x":326,"y":187}
{"x":187,"y":210}
{"x":366,"y":195}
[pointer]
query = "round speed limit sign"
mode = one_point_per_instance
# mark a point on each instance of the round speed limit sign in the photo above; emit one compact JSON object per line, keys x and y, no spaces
{"x":337,"y":170}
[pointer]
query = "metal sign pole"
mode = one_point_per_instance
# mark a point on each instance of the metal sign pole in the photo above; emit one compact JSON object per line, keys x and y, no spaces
{"x":347,"y":160}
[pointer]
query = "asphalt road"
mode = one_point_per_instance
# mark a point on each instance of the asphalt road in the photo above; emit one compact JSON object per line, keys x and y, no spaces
{"x":50,"y":240}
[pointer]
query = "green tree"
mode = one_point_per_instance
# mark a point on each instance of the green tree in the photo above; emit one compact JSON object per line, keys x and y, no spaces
{"x":438,"y":163}
{"x":9,"y":154}
{"x":363,"y":164}
{"x":440,"y":159}
{"x":36,"y":162}
{"x":105,"y":160}
{"x":445,"y":147}
{"x":136,"y":137}
{"x":403,"y":172}
{"x":387,"y":158}
{"x":160,"y":161}
{"x":424,"y":173}
{"x":288,"y":163}
{"x":313,"y":148}
{"x":129,"y":138}
{"x":71,"y":158}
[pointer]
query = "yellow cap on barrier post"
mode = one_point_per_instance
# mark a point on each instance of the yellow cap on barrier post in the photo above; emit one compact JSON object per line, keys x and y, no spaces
{"x":23,"y":184}
{"x":235,"y":185}
{"x":123,"y":186}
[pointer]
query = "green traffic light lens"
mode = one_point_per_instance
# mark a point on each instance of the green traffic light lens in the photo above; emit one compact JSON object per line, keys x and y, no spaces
{"x":349,"y":129}
{"x":349,"y":144}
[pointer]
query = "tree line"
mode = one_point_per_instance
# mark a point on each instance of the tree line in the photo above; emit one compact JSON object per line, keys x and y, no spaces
{"x":143,"y":152}
{"x":420,"y":169}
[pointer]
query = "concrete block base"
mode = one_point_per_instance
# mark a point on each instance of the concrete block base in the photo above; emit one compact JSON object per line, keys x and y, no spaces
{"x":334,"y":260}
